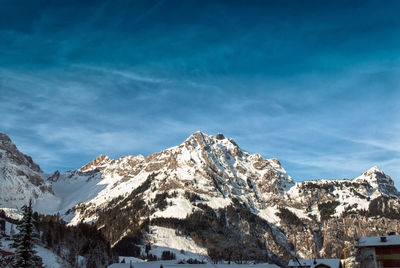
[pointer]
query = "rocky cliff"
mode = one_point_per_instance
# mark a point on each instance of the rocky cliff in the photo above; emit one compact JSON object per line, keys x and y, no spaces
{"x":21,"y":179}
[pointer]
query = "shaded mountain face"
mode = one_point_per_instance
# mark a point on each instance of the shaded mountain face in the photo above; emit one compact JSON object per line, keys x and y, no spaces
{"x":21,"y":179}
{"x":224,"y":198}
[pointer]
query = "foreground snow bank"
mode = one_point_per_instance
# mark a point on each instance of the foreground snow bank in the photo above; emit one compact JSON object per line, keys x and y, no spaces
{"x":173,"y":264}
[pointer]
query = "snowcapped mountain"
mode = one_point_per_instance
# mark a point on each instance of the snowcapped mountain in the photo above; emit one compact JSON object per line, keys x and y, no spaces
{"x":20,"y":178}
{"x":207,"y":189}
{"x":351,"y":195}
{"x":212,"y":167}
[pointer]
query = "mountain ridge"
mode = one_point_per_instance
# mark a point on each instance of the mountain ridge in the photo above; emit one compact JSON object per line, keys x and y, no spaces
{"x":17,"y":171}
{"x":212,"y":175}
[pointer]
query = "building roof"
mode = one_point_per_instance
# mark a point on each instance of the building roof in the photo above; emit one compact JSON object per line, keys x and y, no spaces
{"x":374,"y":241}
{"x":334,"y":263}
{"x":173,"y":264}
{"x":5,"y":253}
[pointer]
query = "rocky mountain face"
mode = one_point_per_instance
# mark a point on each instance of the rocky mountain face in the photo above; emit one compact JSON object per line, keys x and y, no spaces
{"x":329,"y":215}
{"x":20,"y":178}
{"x":233,"y":204}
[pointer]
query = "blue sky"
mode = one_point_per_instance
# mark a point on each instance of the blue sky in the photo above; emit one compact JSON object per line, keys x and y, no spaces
{"x":315,"y":84}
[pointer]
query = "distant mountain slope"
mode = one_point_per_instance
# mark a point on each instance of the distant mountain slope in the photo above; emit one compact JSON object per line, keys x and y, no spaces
{"x":211,"y":190}
{"x":21,"y":179}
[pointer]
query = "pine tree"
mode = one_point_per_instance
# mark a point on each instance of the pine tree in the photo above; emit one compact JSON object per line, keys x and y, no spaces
{"x":12,"y":232}
{"x":1,"y":236}
{"x":23,"y":241}
{"x":3,"y":262}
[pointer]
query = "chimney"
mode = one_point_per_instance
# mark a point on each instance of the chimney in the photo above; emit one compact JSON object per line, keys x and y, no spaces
{"x":383,"y":239}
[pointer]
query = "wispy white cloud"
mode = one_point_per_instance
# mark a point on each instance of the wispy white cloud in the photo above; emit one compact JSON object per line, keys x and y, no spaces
{"x":58,"y":115}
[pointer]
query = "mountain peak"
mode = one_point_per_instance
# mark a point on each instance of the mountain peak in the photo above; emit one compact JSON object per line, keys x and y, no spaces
{"x":202,"y":141}
{"x":6,"y":143}
{"x":21,"y":178}
{"x":13,"y":155}
{"x":99,"y":161}
{"x":379,"y":180}
{"x":374,"y":169}
{"x":4,"y":138}
{"x":375,"y":174}
{"x":220,"y":136}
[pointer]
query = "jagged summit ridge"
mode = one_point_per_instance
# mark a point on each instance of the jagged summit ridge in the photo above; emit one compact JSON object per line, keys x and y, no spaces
{"x":380,"y":181}
{"x":10,"y":151}
{"x":374,"y":169}
{"x":21,"y":179}
{"x":101,"y":160}
{"x":4,"y":138}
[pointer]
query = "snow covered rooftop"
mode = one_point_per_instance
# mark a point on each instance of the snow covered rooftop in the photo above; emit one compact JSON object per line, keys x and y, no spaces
{"x":333,"y":263}
{"x":372,"y":241}
{"x":173,"y":264}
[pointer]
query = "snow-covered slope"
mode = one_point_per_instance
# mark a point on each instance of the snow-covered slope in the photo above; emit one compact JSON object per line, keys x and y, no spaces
{"x":212,"y":167}
{"x":351,"y":195}
{"x":49,"y":258}
{"x":162,"y":239}
{"x":204,"y":172}
{"x":20,"y":178}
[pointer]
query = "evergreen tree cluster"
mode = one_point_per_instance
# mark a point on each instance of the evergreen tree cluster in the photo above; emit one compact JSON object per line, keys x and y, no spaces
{"x":288,"y":217}
{"x":160,"y":200}
{"x":25,"y":254}
{"x":124,"y":216}
{"x":69,"y":242}
{"x":229,"y":234}
{"x":383,"y":206}
{"x":128,"y":246}
{"x":168,"y":255}
{"x":327,"y":209}
{"x":195,"y":261}
{"x":192,"y":197}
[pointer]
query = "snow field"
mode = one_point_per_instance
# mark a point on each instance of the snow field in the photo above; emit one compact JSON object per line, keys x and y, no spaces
{"x":163,"y":239}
